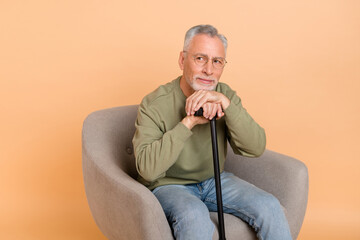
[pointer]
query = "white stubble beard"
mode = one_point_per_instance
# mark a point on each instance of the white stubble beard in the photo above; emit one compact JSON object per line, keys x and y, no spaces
{"x":196,"y":87}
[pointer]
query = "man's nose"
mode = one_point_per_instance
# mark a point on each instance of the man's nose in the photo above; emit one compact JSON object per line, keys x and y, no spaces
{"x":208,"y":68}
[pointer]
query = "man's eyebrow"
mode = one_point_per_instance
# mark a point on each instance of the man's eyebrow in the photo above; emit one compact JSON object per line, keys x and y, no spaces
{"x":205,"y":55}
{"x":202,"y":54}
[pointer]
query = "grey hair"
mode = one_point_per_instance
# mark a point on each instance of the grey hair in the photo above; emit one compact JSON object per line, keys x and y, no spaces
{"x":203,"y":29}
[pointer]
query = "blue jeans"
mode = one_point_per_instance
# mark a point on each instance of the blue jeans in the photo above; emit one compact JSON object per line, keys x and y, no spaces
{"x":187,"y":208}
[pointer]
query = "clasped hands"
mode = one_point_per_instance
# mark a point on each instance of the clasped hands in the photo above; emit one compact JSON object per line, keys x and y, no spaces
{"x":213,"y":103}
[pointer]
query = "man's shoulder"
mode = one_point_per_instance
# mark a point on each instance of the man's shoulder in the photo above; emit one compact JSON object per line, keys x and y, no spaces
{"x":222,"y":85}
{"x":224,"y":88}
{"x":160,"y":94}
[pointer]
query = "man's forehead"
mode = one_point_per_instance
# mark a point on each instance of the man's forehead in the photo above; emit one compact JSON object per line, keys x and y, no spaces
{"x":207,"y":45}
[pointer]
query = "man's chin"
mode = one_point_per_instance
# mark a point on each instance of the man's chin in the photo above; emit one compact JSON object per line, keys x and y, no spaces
{"x":198,"y":87}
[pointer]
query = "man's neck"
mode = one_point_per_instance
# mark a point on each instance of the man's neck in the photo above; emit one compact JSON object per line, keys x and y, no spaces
{"x":185,"y":88}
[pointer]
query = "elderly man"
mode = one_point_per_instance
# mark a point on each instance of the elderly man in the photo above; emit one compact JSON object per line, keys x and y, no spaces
{"x":173,"y":147}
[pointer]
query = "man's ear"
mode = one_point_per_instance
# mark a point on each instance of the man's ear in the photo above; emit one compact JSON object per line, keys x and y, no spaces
{"x":181,"y":60}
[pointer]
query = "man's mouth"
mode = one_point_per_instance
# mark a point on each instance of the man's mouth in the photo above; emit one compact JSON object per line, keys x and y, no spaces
{"x":205,"y":81}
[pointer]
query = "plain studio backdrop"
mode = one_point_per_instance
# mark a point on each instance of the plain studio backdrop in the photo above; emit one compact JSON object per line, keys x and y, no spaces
{"x":295,"y":64}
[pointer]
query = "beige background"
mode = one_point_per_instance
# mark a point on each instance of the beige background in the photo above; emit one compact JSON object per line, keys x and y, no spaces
{"x":296,"y":65}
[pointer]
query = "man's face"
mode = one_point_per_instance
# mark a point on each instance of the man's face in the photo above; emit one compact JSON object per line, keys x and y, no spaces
{"x":199,"y":77}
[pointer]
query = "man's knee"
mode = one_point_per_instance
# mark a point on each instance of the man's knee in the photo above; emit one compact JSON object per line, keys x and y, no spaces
{"x":196,"y":212}
{"x":192,"y":221}
{"x":267,"y":206}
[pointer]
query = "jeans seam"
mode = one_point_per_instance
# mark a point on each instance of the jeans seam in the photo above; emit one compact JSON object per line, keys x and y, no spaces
{"x":200,"y":188}
{"x":255,"y":226}
{"x":176,"y":228}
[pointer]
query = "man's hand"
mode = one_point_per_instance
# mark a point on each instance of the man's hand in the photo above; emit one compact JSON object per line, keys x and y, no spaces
{"x":212,"y":102}
{"x":192,"y":121}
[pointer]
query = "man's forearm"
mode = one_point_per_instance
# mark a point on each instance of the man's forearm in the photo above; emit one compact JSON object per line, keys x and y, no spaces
{"x":155,"y":156}
{"x":246,"y":136}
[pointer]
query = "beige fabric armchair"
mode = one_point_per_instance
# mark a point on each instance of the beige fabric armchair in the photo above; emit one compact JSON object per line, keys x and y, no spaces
{"x":125,"y":209}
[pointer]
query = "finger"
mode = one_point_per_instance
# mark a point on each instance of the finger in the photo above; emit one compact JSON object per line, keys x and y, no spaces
{"x":193,"y":101}
{"x":187,"y":107}
{"x":189,"y":104}
{"x":210,"y":111}
{"x":202,"y":99}
{"x":206,"y":110}
{"x":220,"y":113}
{"x":214,"y":111}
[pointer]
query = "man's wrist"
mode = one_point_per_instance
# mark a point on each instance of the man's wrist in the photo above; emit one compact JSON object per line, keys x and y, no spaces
{"x":225,"y":102}
{"x":187,"y":122}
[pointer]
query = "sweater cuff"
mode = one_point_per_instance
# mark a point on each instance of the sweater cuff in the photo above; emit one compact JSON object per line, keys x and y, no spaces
{"x":182,"y":132}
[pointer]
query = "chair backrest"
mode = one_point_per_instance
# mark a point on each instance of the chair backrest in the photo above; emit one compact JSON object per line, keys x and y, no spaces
{"x":107,"y":136}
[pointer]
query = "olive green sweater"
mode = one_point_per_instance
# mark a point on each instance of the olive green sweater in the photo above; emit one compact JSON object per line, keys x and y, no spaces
{"x":167,"y":152}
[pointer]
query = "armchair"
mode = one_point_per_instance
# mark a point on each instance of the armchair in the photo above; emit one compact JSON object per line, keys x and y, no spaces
{"x":125,"y":209}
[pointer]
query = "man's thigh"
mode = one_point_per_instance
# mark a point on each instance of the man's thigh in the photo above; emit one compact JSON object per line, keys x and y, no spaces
{"x":240,"y":198}
{"x":187,"y":215}
{"x":176,"y":199}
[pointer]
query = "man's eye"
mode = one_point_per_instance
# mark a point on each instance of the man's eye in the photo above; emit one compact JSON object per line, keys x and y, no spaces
{"x":218,"y":61}
{"x":200,"y":58}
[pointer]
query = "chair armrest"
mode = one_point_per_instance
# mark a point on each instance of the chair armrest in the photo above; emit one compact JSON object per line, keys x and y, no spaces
{"x":284,"y":177}
{"x":122,"y":207}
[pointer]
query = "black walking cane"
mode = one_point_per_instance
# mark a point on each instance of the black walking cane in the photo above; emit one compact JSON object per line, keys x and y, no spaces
{"x":217,"y":174}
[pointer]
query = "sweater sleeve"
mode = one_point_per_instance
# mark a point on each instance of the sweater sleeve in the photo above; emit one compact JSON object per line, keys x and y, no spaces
{"x":155,"y":150}
{"x":246,"y":137}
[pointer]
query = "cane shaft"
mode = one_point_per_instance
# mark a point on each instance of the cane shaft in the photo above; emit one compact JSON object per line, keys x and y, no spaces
{"x":217,"y":179}
{"x":216,"y":174}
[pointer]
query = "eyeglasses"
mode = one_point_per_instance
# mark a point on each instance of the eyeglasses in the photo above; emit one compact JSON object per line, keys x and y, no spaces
{"x":202,"y":59}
